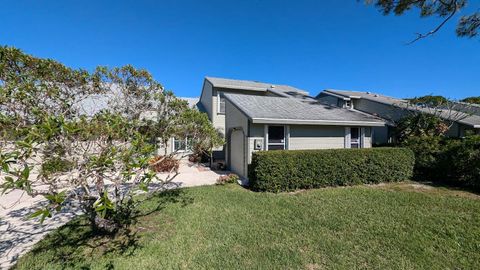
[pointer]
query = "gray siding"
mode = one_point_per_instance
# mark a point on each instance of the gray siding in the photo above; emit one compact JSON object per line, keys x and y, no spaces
{"x":206,"y":98}
{"x":331,"y":100}
{"x":382,"y":110}
{"x":380,"y":135}
{"x":316,"y":137}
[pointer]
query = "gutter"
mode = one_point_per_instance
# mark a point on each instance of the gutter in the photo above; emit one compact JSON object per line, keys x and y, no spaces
{"x":316,"y":122}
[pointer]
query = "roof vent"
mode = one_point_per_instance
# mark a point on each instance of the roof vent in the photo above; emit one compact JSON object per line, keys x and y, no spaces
{"x":272,"y":86}
{"x":375,"y":95}
{"x":368,"y":93}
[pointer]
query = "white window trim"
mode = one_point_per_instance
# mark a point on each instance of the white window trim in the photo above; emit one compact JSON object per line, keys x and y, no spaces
{"x":348,"y":137}
{"x":180,"y":151}
{"x":286,"y":141}
{"x":362,"y":137}
{"x":218,"y":104}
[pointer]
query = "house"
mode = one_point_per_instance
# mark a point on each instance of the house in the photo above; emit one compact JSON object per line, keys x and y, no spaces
{"x":212,"y":99}
{"x":464,"y":117}
{"x":258,"y":116}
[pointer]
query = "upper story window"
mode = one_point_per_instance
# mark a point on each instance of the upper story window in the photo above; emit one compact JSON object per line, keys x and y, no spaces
{"x":221,"y":102}
{"x":348,"y":104}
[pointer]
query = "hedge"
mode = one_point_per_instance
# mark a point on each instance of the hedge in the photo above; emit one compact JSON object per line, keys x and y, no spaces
{"x":288,"y":170}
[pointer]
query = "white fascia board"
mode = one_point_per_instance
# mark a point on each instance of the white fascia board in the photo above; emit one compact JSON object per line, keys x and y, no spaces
{"x":316,"y":122}
{"x":336,"y":95}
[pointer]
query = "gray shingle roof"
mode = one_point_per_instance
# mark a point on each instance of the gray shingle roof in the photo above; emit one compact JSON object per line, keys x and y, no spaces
{"x":253,"y":85}
{"x":265,"y":109}
{"x":367,"y":95}
{"x":469,"y":117}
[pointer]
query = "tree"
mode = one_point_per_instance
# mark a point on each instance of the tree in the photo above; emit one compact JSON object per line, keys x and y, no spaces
{"x":86,"y":138}
{"x":429,"y":116}
{"x":429,"y":100}
{"x":467,"y":26}
{"x":472,"y":100}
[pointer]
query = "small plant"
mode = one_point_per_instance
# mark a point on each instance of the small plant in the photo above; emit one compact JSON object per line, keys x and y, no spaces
{"x":56,"y":165}
{"x":164,"y":164}
{"x":227,"y":179}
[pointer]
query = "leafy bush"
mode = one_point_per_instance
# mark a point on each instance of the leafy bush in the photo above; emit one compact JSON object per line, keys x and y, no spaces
{"x":427,"y":150}
{"x":164,"y":164}
{"x":450,"y":160}
{"x":290,"y":170}
{"x":227,"y":179}
{"x":459,"y":162}
{"x":55,"y":165}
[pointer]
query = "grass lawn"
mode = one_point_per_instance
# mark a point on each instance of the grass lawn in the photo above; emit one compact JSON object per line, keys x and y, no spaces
{"x":399,"y":226}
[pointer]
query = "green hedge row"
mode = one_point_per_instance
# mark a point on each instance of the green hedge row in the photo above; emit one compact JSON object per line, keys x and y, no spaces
{"x":288,"y":170}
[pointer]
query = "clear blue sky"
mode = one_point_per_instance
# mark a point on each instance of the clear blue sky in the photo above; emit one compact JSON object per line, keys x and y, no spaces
{"x":312,"y":45}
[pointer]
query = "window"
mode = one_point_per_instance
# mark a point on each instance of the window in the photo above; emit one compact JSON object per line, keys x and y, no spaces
{"x":181,"y":145}
{"x":221,"y":102}
{"x":276,"y":138}
{"x":348,"y":104}
{"x":354,"y":137}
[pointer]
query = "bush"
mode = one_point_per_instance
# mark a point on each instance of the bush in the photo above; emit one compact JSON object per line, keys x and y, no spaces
{"x":164,"y":164}
{"x":227,"y":179}
{"x":427,"y":150}
{"x":287,"y":170}
{"x":448,"y":160}
{"x":460,"y":162}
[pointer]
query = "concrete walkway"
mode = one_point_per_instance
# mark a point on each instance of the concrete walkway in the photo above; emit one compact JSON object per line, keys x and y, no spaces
{"x":18,"y":233}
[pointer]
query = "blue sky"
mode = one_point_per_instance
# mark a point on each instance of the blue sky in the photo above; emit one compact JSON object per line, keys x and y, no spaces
{"x":310,"y":44}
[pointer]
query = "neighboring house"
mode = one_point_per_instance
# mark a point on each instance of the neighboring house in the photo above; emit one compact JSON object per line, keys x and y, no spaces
{"x":464,"y":116}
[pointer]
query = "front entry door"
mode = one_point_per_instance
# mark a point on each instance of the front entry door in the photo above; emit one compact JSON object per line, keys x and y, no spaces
{"x":276,"y":137}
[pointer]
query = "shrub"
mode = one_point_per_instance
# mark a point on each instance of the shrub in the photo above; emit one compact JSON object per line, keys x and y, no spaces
{"x":55,"y":165}
{"x":460,"y":162}
{"x":427,"y":150}
{"x":287,"y":170}
{"x":227,"y":179}
{"x":164,"y":164}
{"x":449,"y":160}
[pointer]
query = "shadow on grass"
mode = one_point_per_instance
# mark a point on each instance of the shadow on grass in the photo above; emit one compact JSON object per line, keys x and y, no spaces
{"x":72,"y":243}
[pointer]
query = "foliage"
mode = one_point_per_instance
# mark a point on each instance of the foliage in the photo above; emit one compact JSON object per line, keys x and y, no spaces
{"x":460,"y":162}
{"x":55,"y":165}
{"x":391,"y":226}
{"x":276,"y":171}
{"x":472,"y":100}
{"x":164,"y":164}
{"x":426,"y":150}
{"x":467,"y":26}
{"x":450,"y":160}
{"x":227,"y":179}
{"x":197,"y":128}
{"x":89,"y":134}
{"x":429,"y":100}
{"x":420,"y":125}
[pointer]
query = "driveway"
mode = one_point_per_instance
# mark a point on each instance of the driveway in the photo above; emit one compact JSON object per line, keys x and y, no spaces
{"x":18,"y":233}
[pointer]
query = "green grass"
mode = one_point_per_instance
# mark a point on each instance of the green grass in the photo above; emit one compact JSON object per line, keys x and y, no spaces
{"x":395,"y":226}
